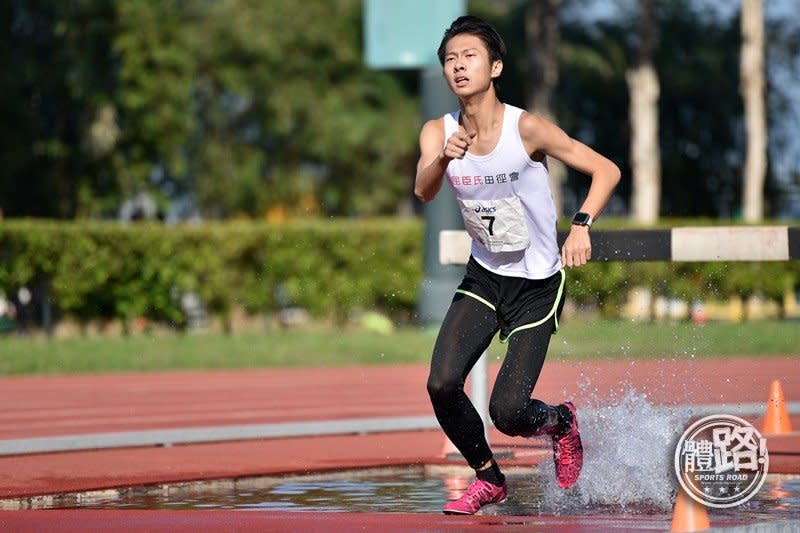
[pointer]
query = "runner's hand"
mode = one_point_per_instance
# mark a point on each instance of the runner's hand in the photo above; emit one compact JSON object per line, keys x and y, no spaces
{"x":577,"y":249}
{"x":458,"y":144}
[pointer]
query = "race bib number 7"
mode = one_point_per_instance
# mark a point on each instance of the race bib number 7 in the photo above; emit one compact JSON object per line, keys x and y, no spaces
{"x":498,"y":225}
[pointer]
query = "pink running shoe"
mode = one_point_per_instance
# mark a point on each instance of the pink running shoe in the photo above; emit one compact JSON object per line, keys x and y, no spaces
{"x":568,"y":451}
{"x":478,"y":494}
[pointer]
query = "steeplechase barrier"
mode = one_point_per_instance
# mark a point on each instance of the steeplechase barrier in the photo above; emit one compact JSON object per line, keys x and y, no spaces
{"x":689,"y":244}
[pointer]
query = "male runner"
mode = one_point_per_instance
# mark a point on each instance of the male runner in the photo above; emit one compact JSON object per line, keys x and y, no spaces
{"x":493,"y":155}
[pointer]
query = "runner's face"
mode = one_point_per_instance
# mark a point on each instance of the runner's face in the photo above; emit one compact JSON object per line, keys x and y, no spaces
{"x":467,"y":68}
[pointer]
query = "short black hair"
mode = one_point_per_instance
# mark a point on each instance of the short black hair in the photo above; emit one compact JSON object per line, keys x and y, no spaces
{"x":481,"y":29}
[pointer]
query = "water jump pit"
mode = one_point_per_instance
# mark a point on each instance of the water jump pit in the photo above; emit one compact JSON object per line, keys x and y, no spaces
{"x":533,"y":498}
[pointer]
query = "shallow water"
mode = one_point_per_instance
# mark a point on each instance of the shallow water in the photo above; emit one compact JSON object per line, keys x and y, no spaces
{"x":420,"y":490}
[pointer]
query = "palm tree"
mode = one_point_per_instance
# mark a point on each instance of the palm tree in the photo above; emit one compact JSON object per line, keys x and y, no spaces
{"x":643,"y":88}
{"x":752,"y":87}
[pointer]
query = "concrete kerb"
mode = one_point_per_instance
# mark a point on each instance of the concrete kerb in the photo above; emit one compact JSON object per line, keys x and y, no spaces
{"x":169,"y":437}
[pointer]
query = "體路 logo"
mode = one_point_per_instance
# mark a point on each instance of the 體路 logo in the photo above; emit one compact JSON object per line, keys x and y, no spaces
{"x":721,"y":461}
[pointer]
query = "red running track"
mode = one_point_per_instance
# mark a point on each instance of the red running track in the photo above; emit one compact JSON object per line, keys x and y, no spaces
{"x":127,"y":521}
{"x":49,"y":406}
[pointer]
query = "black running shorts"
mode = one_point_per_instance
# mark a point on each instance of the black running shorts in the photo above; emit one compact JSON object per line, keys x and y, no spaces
{"x":520,"y":303}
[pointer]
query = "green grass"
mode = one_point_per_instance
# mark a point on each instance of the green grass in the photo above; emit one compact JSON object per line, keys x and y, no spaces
{"x":621,"y":339}
{"x":577,"y":340}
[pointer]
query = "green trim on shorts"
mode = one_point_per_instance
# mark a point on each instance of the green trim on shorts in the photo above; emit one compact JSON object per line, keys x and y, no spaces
{"x":481,"y":300}
{"x":545,"y":319}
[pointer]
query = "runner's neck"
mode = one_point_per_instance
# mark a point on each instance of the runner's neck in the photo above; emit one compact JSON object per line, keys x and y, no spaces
{"x":483,"y":115}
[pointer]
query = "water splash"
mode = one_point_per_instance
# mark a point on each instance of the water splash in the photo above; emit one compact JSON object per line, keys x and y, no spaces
{"x":628,"y":450}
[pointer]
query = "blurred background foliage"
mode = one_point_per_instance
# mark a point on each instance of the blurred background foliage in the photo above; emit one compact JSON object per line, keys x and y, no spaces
{"x":245,"y":108}
{"x":261,"y":118}
{"x":228,"y":108}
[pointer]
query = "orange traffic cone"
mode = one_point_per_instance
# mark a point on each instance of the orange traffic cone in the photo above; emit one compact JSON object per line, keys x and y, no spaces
{"x":689,"y":515}
{"x":777,"y":418}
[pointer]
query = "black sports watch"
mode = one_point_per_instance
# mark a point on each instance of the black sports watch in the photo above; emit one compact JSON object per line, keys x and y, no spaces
{"x":582,"y":219}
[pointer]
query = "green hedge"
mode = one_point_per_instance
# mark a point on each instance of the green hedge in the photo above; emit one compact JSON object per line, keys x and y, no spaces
{"x":330,"y":267}
{"x":106,"y":270}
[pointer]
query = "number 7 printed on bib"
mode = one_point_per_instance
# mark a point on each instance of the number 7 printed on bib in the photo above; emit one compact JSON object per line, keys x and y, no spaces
{"x":498,"y":225}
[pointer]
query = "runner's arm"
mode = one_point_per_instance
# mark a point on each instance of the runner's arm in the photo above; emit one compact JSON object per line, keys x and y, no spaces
{"x":432,"y":161}
{"x":542,"y":136}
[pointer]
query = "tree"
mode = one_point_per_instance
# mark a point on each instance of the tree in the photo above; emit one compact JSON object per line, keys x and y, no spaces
{"x":156,"y":87}
{"x":753,"y":93}
{"x":255,"y":106}
{"x":592,"y":95}
{"x":234,"y":106}
{"x":543,"y":36}
{"x":643,"y":89}
{"x":701,"y":116}
{"x":57,"y":80}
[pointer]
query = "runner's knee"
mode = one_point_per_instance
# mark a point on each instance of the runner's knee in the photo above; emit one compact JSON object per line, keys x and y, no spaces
{"x":508,"y":416}
{"x":442,"y":387}
{"x":522,"y":417}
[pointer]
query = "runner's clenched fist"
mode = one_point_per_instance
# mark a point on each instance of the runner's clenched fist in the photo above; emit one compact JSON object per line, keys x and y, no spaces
{"x":458,"y":144}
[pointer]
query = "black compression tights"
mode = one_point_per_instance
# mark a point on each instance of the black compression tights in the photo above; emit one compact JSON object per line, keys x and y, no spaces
{"x":467,"y":330}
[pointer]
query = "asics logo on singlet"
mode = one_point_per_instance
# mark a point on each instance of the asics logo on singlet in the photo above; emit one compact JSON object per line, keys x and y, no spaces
{"x":484,"y":210}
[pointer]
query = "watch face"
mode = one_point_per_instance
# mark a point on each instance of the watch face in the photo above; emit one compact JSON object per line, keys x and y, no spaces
{"x":581,"y":219}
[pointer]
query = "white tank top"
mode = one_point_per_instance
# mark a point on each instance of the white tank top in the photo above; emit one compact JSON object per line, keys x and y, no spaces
{"x":507,"y":204}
